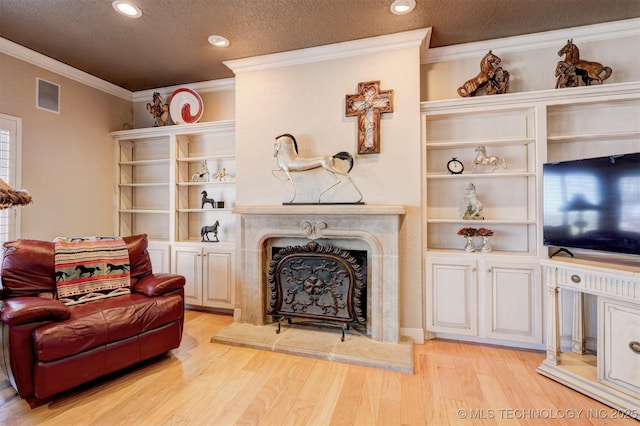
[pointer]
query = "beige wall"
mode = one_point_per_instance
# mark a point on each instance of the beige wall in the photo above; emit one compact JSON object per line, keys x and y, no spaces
{"x":308,"y":101}
{"x":67,"y":158}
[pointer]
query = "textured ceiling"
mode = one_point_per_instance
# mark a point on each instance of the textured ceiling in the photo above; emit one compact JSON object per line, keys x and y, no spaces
{"x":168,"y":45}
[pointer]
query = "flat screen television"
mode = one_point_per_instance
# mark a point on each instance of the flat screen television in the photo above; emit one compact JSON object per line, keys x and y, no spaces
{"x":593,"y":204}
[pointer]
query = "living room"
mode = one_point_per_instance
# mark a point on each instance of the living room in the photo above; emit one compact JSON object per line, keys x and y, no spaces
{"x":270,"y":96}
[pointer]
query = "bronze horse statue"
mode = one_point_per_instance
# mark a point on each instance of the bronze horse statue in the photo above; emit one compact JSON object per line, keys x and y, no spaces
{"x":491,"y":76}
{"x":589,"y":71}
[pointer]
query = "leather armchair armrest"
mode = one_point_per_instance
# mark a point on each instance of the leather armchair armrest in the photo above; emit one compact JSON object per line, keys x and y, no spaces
{"x":158,"y":284}
{"x":23,"y":310}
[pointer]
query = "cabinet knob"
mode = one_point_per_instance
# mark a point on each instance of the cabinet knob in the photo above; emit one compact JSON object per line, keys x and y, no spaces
{"x":634,"y":346}
{"x":575,"y":278}
{"x":473,"y":269}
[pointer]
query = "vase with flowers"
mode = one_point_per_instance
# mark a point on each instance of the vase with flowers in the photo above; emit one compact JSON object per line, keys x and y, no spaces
{"x":486,"y":235}
{"x":469,"y":234}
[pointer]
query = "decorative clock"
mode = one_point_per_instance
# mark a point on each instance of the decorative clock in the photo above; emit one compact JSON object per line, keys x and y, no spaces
{"x":455,"y":166}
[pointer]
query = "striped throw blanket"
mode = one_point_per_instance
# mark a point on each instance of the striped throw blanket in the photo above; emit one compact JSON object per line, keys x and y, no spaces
{"x":91,"y":268}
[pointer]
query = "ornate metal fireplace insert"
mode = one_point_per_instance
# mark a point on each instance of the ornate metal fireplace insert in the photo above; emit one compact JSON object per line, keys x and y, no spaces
{"x":321,"y":284}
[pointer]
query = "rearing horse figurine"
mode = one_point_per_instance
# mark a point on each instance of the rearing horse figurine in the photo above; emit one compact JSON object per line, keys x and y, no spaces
{"x":588,"y":70}
{"x":286,"y":152}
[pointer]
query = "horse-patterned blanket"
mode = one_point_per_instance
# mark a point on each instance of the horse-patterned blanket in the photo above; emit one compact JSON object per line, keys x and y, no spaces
{"x":91,"y":268}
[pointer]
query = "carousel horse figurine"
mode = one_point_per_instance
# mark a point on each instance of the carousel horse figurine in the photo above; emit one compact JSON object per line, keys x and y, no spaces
{"x":205,"y":230}
{"x":206,"y":200}
{"x":202,"y":173}
{"x":483,"y":160}
{"x":474,"y":206}
{"x":589,"y":71}
{"x":286,"y":152}
{"x":490,"y":73}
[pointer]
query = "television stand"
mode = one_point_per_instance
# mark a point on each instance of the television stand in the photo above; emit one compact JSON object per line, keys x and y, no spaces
{"x":561,"y":250}
{"x":613,"y":375}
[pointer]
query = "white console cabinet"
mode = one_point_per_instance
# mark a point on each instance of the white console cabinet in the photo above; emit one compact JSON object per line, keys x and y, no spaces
{"x":474,"y":295}
{"x":611,"y":376}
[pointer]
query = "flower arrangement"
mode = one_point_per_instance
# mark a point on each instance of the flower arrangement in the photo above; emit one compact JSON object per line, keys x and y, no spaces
{"x":484,"y":232}
{"x":468,"y":232}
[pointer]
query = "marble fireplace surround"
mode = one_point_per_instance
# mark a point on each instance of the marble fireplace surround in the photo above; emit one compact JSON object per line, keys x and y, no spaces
{"x":376,"y":225}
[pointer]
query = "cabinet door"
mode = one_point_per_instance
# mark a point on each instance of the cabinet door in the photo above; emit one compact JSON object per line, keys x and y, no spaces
{"x":451,"y":295}
{"x":219,"y":278}
{"x":187,"y":261}
{"x":513,"y":301}
{"x":159,"y":255}
{"x":619,"y":345}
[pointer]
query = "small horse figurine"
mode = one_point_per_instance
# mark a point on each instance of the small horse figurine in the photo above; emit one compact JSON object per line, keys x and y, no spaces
{"x":589,"y":71}
{"x":491,"y":75}
{"x":286,"y":152}
{"x":221,"y":176}
{"x":483,"y":160}
{"x":200,"y":176}
{"x":474,"y":206}
{"x":158,"y":110}
{"x":204,"y":232}
{"x":206,"y":200}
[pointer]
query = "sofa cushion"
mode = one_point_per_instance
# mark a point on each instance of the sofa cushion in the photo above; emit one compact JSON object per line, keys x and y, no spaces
{"x":104,"y":321}
{"x":27,"y":269}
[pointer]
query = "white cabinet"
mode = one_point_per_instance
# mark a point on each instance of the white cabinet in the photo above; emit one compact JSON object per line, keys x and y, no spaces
{"x":619,"y":345}
{"x":160,"y":188}
{"x":209,"y":272}
{"x":483,"y":296}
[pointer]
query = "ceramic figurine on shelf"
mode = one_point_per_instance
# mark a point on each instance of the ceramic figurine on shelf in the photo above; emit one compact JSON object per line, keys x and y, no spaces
{"x":492,"y":77}
{"x":589,"y":71}
{"x":483,"y":160}
{"x":206,"y":200}
{"x":221,"y":176}
{"x":204,"y":232}
{"x":474,"y":207}
{"x":159,"y":110}
{"x":203,"y":174}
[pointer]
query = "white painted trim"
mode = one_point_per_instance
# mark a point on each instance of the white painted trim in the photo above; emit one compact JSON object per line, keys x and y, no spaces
{"x":20,"y":52}
{"x":201,"y":87}
{"x":555,"y":38}
{"x":385,"y":43}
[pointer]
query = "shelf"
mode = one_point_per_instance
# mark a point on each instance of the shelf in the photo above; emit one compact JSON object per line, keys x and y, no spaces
{"x":144,"y":162}
{"x":473,"y":143}
{"x":488,"y":175}
{"x":482,"y":223}
{"x":593,"y":136}
{"x":206,"y":157}
{"x":204,"y":210}
{"x":143,"y":211}
{"x":144,"y":185}
{"x":231,"y":182}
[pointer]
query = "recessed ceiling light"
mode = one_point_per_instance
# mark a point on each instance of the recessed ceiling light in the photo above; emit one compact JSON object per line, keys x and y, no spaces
{"x":218,"y":41}
{"x":127,"y":9}
{"x":400,"y":7}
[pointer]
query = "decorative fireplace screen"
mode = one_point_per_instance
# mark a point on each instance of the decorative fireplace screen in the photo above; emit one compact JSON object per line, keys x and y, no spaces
{"x":322,"y":284}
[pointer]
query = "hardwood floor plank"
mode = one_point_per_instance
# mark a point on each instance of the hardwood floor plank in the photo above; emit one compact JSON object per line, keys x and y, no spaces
{"x":209,"y":383}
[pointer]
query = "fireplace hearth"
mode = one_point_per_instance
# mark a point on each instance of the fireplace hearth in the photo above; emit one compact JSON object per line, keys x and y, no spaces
{"x":318,"y":284}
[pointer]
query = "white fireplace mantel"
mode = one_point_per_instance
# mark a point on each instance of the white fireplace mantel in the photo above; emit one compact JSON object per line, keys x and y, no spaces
{"x":376,"y":225}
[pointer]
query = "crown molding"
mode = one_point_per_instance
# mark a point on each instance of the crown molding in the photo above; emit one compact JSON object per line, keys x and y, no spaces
{"x":385,"y":43}
{"x":20,"y":52}
{"x":555,"y":39}
{"x":201,"y":87}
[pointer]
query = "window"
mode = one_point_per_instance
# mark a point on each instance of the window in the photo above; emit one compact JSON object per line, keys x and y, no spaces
{"x":10,"y":138}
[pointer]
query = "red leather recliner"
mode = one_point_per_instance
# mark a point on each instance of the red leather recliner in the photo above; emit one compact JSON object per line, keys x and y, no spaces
{"x":48,"y":347}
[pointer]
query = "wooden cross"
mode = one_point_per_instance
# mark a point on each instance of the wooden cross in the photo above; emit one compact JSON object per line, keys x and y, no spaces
{"x":367,"y":105}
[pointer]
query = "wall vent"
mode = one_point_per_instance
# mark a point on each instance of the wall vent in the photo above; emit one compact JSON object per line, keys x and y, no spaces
{"x":47,"y":95}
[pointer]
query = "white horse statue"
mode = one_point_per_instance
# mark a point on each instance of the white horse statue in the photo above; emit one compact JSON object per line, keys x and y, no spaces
{"x":203,"y":174}
{"x":483,"y":160}
{"x":474,"y":206}
{"x":286,"y":152}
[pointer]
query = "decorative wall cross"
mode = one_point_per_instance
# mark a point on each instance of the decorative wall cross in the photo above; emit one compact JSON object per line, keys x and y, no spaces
{"x":367,"y":105}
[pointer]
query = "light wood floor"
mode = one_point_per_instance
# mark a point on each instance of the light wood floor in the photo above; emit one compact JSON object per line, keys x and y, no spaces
{"x":204,"y":383}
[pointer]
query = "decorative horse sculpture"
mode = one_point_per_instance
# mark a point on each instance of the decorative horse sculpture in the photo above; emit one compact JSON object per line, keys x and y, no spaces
{"x":159,"y":110}
{"x":491,"y":75}
{"x":206,"y":200}
{"x":205,"y":230}
{"x":483,"y":160}
{"x":286,"y":152}
{"x":474,"y":206}
{"x":200,"y":176}
{"x":589,"y":71}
